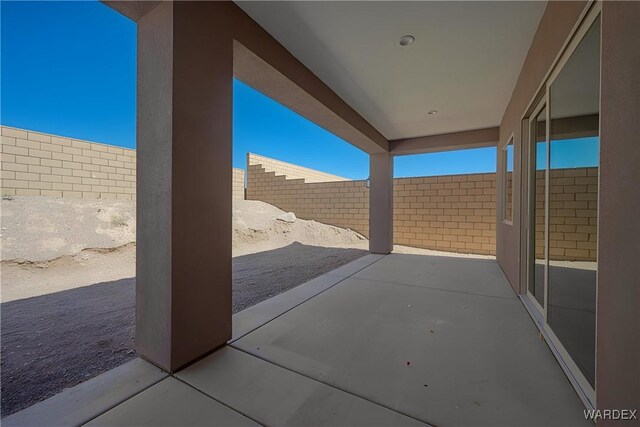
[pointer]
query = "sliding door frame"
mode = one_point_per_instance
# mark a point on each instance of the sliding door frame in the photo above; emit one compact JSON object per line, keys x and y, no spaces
{"x":530,"y":191}
{"x":539,"y":314}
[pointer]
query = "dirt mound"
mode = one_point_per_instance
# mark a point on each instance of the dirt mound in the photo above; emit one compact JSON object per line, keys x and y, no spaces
{"x":259,"y":226}
{"x":45,"y":228}
{"x":50,"y":245}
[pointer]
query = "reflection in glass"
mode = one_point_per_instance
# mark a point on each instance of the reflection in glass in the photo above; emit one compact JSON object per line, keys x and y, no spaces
{"x":508,"y":181}
{"x":539,"y":165}
{"x":573,"y":202}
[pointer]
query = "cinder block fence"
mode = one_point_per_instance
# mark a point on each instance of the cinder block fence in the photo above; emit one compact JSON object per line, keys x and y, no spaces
{"x":40,"y":164}
{"x":450,"y":213}
{"x":342,"y":202}
{"x":238,"y":184}
{"x":455,"y":213}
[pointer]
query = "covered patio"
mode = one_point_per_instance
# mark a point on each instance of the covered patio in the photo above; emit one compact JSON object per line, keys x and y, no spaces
{"x":387,"y":340}
{"x":391,"y":338}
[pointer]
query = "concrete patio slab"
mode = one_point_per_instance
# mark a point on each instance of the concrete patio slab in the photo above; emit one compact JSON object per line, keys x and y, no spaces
{"x":79,"y":404}
{"x":469,"y":275}
{"x":171,"y":403}
{"x":253,"y":317}
{"x":429,"y":346}
{"x":446,"y":358}
{"x":276,"y":396}
{"x":355,"y":266}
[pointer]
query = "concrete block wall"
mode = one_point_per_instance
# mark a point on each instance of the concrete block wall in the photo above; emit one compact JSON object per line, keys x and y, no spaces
{"x":238,"y":184}
{"x":455,"y":213}
{"x":429,"y":212}
{"x":341,"y":203}
{"x":290,"y":170}
{"x":39,"y":164}
{"x":573,"y":214}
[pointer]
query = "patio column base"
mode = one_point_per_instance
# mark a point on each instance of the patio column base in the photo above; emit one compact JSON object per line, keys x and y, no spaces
{"x":381,"y":203}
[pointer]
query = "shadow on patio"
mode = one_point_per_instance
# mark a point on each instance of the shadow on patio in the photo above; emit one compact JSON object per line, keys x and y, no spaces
{"x":396,"y":339}
{"x":54,"y":341}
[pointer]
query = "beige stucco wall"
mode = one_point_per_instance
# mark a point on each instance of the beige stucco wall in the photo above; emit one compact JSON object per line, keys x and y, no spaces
{"x":555,"y":26}
{"x":618,"y":323}
{"x":40,"y":164}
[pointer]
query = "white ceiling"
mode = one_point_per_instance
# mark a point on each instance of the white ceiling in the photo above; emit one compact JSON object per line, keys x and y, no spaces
{"x":464,"y":63}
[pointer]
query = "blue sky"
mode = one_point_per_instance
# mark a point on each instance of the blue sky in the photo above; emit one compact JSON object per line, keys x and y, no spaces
{"x":261,"y":125}
{"x":69,"y":68}
{"x":570,"y":153}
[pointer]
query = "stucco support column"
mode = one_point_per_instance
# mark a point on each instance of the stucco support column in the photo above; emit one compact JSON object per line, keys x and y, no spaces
{"x":618,"y":322}
{"x":381,"y":203}
{"x":185,"y":76}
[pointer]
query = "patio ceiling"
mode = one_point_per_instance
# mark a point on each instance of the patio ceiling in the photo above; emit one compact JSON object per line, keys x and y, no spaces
{"x":464,"y":63}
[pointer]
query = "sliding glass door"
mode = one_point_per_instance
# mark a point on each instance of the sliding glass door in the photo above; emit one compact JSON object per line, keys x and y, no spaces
{"x":563,"y":191}
{"x":574,"y":150}
{"x":538,"y":202}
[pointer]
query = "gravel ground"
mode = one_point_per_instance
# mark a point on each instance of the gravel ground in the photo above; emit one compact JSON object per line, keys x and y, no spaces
{"x":282,"y":269}
{"x":58,"y":340}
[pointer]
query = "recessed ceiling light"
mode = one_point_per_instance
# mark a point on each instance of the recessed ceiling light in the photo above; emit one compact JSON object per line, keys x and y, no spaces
{"x":407,"y":40}
{"x":432,"y":112}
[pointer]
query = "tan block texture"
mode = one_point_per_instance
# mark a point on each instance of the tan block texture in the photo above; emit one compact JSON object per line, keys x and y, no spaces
{"x":455,"y":213}
{"x":39,"y":164}
{"x":338,"y":202}
{"x":291,"y":171}
{"x":55,"y":166}
{"x":238,"y":184}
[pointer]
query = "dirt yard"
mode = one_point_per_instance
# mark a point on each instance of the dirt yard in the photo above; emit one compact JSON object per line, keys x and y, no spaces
{"x":67,"y":283}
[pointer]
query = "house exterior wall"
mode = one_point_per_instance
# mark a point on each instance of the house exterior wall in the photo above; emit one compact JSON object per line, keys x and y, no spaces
{"x":555,"y":26}
{"x":618,"y":246}
{"x":41,"y":164}
{"x":618,"y":322}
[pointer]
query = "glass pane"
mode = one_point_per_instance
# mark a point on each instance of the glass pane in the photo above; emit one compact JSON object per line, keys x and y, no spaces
{"x":539,"y":159}
{"x":508,"y":181}
{"x":573,"y":209}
